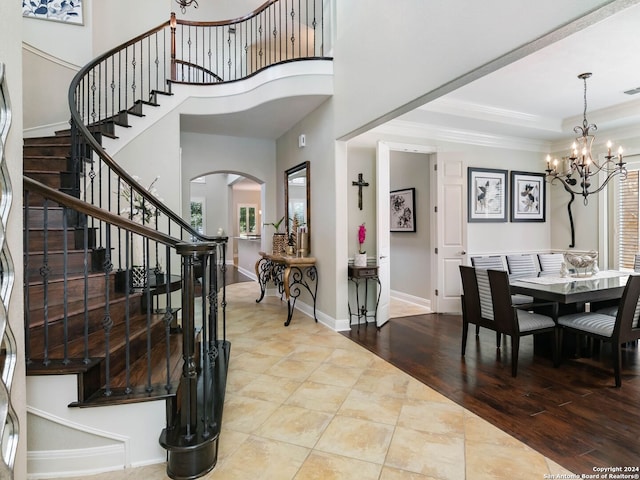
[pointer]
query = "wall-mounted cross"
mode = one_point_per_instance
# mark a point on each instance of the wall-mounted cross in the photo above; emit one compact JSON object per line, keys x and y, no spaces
{"x":360,"y":183}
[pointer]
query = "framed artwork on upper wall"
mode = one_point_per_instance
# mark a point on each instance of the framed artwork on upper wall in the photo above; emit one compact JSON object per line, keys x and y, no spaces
{"x":527,"y":197}
{"x":402,"y":208}
{"x":487,"y":195}
{"x":66,"y":11}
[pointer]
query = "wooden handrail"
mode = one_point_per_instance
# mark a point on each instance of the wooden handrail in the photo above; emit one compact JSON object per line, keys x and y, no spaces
{"x":98,"y":213}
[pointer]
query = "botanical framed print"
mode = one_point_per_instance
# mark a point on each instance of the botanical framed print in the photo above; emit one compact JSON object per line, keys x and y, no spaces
{"x":487,"y":195}
{"x":527,"y":197}
{"x":67,"y":11}
{"x":403,"y":210}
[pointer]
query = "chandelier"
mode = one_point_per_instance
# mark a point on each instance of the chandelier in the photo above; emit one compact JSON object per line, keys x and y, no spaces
{"x":186,"y":3}
{"x":576,"y":170}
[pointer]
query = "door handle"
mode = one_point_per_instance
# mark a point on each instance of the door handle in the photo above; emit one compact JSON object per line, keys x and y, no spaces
{"x":382,"y":256}
{"x":462,"y":253}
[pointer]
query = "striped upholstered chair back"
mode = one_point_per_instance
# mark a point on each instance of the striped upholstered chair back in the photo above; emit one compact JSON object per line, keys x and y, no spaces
{"x":550,"y":263}
{"x":521,"y":266}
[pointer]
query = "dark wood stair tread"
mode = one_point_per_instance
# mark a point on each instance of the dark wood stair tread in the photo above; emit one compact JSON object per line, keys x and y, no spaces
{"x":36,"y":366}
{"x":117,"y":339}
{"x":75,"y":307}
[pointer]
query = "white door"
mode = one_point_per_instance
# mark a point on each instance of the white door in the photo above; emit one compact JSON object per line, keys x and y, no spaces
{"x":451,"y":230}
{"x":383,"y":239}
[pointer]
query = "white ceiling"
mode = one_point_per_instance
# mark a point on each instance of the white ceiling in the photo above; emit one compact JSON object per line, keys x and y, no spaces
{"x":538,"y":97}
{"x":269,"y":120}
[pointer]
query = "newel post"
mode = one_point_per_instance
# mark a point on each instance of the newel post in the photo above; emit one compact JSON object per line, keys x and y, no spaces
{"x":172,"y":23}
{"x":193,"y":420}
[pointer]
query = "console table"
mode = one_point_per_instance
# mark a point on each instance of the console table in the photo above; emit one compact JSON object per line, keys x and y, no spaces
{"x":364,"y":275}
{"x":290,"y":275}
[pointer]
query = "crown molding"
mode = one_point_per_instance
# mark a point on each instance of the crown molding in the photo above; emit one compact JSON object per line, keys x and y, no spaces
{"x":611,"y":115}
{"x":403,"y":128}
{"x":490,"y":113}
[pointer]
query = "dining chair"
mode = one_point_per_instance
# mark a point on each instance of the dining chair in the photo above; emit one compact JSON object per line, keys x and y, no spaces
{"x":516,"y":321}
{"x":618,"y":330}
{"x":494,"y":262}
{"x":521,"y":266}
{"x":550,"y":263}
{"x":473,"y":312}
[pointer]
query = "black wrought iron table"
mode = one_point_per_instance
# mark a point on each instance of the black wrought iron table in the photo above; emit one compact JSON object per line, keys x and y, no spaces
{"x":365,"y":275}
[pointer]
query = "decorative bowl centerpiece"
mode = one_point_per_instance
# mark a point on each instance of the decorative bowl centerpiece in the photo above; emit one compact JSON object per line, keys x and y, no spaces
{"x":585,"y":264}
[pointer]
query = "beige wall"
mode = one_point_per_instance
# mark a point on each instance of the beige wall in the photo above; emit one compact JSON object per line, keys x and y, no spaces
{"x":327,"y":225}
{"x":50,"y":89}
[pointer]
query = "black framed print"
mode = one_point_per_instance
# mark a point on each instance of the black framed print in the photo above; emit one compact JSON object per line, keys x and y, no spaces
{"x":487,"y":195}
{"x":527,"y":197}
{"x":403,"y":210}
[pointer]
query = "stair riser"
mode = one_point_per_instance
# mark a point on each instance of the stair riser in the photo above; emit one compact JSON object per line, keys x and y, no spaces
{"x":55,"y":239}
{"x":76,"y":327}
{"x":58,"y":139}
{"x":54,"y":218}
{"x":55,"y":262}
{"x":53,"y":164}
{"x":57,"y":180}
{"x":52,"y":150}
{"x":75,"y":290}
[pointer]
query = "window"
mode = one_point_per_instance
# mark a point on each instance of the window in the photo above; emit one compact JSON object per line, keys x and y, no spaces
{"x":197,"y":215}
{"x":247,"y":219}
{"x":627,"y":206}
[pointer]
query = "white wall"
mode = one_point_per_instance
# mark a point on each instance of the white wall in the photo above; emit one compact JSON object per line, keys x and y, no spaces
{"x":505,"y":237}
{"x":250,"y":157}
{"x":40,"y":121}
{"x":361,"y":160}
{"x":143,"y":15}
{"x":328,"y":219}
{"x":68,"y":42}
{"x":211,"y":10}
{"x":425,"y":46}
{"x":10,"y":55}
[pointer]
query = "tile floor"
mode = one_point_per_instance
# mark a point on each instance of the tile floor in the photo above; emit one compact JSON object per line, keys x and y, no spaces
{"x":304,"y":402}
{"x":399,"y":308}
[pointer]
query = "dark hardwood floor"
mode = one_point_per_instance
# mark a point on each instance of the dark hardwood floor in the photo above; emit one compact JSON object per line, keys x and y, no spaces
{"x":571,"y":414}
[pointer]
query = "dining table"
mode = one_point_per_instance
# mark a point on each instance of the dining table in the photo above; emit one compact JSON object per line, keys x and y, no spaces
{"x":573,"y":289}
{"x":572,"y":293}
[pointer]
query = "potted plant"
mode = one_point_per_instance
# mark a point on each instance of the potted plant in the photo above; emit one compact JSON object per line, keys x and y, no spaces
{"x":360,"y":258}
{"x":279,"y":242}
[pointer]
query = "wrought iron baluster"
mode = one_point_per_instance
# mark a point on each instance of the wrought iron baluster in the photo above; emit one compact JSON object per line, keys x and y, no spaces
{"x":147,"y":292}
{"x":65,"y":277}
{"x":223,"y":247}
{"x":85,"y":252}
{"x":127,"y":313}
{"x":26,"y":248}
{"x":168,"y":319}
{"x":107,"y":321}
{"x":44,"y":273}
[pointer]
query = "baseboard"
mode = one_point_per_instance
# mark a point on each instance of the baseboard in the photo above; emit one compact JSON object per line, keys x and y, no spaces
{"x":85,"y":461}
{"x":118,"y":436}
{"x":45,"y":130}
{"x":247,"y":273}
{"x":405,"y":297}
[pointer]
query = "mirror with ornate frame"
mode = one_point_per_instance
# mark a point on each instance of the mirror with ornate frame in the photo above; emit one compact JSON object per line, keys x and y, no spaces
{"x":297,"y":196}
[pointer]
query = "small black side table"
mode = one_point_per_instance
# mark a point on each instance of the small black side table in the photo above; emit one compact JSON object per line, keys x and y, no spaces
{"x":364,"y":275}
